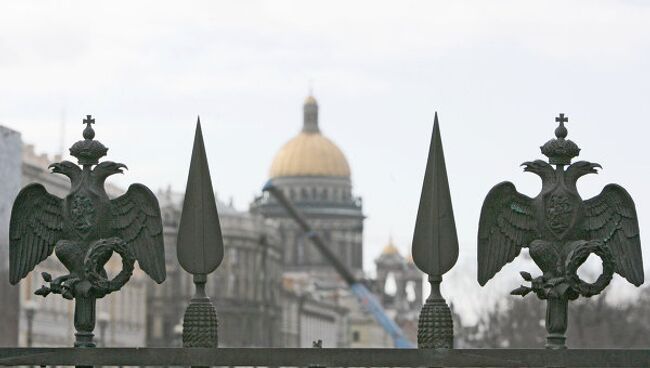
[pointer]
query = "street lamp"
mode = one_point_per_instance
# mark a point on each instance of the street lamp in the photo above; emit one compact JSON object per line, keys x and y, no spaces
{"x":102,"y":321}
{"x":30,"y":306}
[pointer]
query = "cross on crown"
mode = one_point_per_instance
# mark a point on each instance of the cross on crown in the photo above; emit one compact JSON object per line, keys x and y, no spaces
{"x":560,"y":150}
{"x":89,"y":132}
{"x":89,"y":120}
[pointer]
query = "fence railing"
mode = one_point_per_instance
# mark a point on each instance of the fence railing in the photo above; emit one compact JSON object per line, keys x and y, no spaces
{"x":279,"y":357}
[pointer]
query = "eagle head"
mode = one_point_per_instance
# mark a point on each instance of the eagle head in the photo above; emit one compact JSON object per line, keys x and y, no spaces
{"x":543,"y":170}
{"x":579,"y":169}
{"x":585,"y":167}
{"x":107,"y":168}
{"x":66,"y":168}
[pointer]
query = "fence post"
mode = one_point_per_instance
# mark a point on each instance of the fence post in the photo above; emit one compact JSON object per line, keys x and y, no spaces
{"x":200,"y":247}
{"x":435,"y":247}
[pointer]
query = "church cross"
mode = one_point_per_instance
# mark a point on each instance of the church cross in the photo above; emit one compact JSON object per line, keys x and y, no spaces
{"x":561,"y":119}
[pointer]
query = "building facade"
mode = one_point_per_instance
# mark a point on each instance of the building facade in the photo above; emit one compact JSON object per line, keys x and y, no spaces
{"x":258,"y":305}
{"x":309,"y":317}
{"x":11,"y":171}
{"x":245,"y":288}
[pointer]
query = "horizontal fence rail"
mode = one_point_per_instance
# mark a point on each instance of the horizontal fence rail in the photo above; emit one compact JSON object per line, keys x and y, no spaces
{"x":283,"y":357}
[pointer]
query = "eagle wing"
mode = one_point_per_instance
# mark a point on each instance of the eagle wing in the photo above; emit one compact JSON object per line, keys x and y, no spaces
{"x":35,"y":226}
{"x":506,"y":224}
{"x":136,"y":220}
{"x":611,"y":218}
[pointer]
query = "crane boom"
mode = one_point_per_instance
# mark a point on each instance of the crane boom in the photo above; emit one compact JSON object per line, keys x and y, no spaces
{"x":360,"y":291}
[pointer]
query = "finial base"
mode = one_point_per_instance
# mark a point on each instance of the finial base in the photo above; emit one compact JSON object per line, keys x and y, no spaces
{"x":556,"y":341}
{"x":200,"y":324}
{"x":84,"y":339}
{"x":435,"y":326}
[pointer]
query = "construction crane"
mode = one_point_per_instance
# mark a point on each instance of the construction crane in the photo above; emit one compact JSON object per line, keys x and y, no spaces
{"x":360,"y":291}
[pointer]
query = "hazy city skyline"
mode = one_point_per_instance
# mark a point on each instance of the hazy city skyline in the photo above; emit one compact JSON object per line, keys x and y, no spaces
{"x":497,"y":73}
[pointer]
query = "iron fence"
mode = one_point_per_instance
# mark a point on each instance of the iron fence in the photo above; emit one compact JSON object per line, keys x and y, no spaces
{"x":280,"y":357}
{"x":136,"y":217}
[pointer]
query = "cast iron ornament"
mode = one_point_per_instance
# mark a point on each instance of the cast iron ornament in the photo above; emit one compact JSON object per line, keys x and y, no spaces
{"x":561,"y":231}
{"x":199,"y":247}
{"x":435,"y":246}
{"x":84,"y":229}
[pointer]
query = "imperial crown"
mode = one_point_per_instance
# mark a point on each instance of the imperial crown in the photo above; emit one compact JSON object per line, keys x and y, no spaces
{"x":88,"y":151}
{"x":559,"y":150}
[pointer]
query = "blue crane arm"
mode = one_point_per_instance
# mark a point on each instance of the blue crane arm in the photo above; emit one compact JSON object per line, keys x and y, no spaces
{"x":369,"y":301}
{"x":365,"y":297}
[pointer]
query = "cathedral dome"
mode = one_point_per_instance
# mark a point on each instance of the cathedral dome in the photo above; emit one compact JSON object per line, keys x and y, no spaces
{"x":390,"y":249}
{"x":310,"y":100}
{"x":310,"y":153}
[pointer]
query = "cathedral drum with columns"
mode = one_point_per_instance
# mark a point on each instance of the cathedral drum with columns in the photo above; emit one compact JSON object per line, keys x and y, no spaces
{"x":314,"y":174}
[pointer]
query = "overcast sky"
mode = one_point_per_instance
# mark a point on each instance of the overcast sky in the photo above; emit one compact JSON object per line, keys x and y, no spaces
{"x":497,"y":72}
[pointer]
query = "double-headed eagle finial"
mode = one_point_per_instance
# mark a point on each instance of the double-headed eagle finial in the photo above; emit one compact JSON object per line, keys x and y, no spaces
{"x":84,"y":229}
{"x":560,"y":231}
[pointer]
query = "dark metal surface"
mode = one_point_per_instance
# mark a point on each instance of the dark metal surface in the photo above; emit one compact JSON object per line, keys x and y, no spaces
{"x":435,"y":246}
{"x":249,"y":357}
{"x":84,"y":229}
{"x":199,"y":247}
{"x":435,"y":242}
{"x":561,"y":231}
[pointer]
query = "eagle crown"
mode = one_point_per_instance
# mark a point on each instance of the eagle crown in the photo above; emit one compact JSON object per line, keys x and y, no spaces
{"x":88,"y":151}
{"x":560,"y":151}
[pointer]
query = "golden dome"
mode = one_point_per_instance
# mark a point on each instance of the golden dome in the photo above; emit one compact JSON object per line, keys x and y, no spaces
{"x":310,"y":154}
{"x":310,"y":100}
{"x":390,"y":249}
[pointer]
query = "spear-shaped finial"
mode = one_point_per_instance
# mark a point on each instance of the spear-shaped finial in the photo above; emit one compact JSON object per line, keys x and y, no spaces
{"x":199,"y":247}
{"x":435,"y":246}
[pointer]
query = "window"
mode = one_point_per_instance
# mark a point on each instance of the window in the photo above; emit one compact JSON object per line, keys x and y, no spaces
{"x":390,"y":286}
